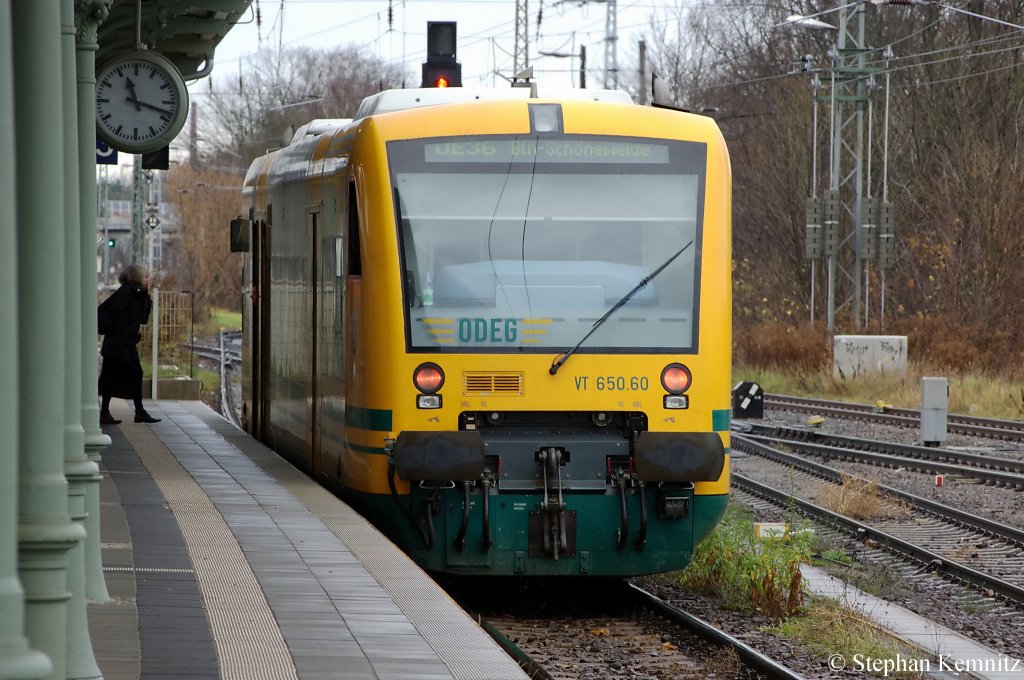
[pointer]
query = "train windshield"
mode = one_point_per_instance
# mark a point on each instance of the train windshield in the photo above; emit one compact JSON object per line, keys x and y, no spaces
{"x":522,"y":243}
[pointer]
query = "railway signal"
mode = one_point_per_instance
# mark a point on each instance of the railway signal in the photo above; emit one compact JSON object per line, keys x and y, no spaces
{"x":441,"y":69}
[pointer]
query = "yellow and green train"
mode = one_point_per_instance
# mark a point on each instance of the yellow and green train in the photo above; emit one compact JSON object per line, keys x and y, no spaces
{"x":499,"y":325}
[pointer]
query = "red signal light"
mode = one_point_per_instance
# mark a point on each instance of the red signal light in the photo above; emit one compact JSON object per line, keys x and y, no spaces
{"x":441,"y":81}
{"x":428,"y":378}
{"x":675,"y":378}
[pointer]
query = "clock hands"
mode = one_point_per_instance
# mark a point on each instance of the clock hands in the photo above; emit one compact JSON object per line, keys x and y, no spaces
{"x":138,"y":103}
{"x":134,"y":98}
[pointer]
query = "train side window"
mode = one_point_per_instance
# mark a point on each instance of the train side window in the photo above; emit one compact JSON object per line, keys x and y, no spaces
{"x":355,"y":267}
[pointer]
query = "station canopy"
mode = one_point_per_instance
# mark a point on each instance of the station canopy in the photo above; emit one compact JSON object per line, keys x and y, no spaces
{"x":185,"y":31}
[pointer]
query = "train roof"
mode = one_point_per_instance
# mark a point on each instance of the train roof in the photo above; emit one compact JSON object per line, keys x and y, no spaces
{"x":398,"y":100}
{"x":292,"y":161}
{"x":411,"y":98}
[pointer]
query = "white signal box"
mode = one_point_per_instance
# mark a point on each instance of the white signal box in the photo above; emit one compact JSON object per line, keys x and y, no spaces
{"x":934,"y":409}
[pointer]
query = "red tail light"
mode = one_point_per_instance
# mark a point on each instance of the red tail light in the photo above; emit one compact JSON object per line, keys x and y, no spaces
{"x":676,"y":378}
{"x":428,"y":378}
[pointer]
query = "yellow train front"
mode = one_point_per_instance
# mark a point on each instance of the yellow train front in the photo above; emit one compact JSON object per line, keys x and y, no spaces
{"x":500,"y":327}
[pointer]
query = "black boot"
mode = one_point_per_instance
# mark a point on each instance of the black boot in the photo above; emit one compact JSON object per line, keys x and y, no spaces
{"x":143,"y":417}
{"x":107,"y":419}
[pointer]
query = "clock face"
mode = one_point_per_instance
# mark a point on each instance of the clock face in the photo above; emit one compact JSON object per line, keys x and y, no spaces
{"x":141,"y":102}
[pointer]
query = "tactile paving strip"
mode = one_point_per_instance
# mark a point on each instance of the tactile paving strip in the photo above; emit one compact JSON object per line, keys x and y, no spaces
{"x":468,"y":652}
{"x":246,"y":635}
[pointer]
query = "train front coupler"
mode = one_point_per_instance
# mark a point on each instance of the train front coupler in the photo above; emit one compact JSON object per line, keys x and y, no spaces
{"x":553,"y":504}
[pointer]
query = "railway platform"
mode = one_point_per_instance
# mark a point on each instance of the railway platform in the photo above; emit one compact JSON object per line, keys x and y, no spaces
{"x":223,"y":561}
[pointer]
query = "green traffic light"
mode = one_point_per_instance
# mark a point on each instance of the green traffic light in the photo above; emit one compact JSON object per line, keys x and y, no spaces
{"x":111,"y":242}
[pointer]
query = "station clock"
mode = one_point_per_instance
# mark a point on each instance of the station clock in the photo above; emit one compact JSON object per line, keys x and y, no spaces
{"x":141,"y":102}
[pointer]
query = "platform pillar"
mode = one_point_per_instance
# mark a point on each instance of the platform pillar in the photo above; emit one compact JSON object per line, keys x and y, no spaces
{"x":17,"y":660}
{"x":79,"y":471}
{"x":46,"y":534}
{"x":89,"y":14}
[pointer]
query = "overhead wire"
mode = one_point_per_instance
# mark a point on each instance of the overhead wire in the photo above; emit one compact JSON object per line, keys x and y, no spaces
{"x":968,"y":46}
{"x":498,"y":31}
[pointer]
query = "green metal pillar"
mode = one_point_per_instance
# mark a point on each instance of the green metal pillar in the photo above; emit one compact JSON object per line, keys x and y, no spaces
{"x":79,"y":471}
{"x":46,"y":533}
{"x":17,"y":660}
{"x":90,"y":14}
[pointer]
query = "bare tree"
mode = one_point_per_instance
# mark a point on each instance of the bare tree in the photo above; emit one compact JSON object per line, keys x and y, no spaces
{"x":241,"y":120}
{"x":278,"y":92}
{"x":206,"y":201}
{"x":956,"y":100}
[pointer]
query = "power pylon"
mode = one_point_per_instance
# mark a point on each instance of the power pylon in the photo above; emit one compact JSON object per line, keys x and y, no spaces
{"x":849,"y":226}
{"x":521,"y":51}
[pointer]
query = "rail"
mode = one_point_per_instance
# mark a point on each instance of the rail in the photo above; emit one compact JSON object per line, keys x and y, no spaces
{"x":750,"y":656}
{"x":1014,"y":479}
{"x":226,"y":402}
{"x":633,"y":602}
{"x":927,"y":558}
{"x":1012,"y":430}
{"x":946,"y":512}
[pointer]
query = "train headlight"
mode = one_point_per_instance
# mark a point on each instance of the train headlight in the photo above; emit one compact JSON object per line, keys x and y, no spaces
{"x":428,"y":401}
{"x":428,"y":378}
{"x":677,"y":401}
{"x":676,"y":378}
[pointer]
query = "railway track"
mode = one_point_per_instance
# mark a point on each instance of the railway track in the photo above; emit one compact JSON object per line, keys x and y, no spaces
{"x":991,"y":470}
{"x":1012,"y":430}
{"x":618,"y":630}
{"x":228,"y":360}
{"x":966,"y":548}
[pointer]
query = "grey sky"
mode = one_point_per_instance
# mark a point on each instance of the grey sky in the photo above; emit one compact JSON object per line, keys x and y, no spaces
{"x":485,"y":33}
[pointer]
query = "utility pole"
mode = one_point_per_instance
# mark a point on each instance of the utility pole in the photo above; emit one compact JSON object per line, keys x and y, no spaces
{"x":193,"y":146}
{"x":583,"y":67}
{"x":642,"y":70}
{"x":611,"y":40}
{"x":138,"y":235}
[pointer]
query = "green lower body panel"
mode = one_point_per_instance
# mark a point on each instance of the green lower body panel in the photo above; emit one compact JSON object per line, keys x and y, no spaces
{"x":708,"y":512}
{"x":514,"y":540}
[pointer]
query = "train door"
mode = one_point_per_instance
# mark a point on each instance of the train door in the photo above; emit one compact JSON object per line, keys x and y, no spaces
{"x":260,"y":322}
{"x":248,"y":323}
{"x":313,"y":378}
{"x":353,"y":287}
{"x":350,"y":284}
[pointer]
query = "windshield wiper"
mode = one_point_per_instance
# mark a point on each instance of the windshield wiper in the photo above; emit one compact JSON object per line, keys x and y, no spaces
{"x":562,"y":358}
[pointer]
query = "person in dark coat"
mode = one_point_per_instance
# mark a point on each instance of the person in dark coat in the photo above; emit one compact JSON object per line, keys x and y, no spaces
{"x":119,"y":319}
